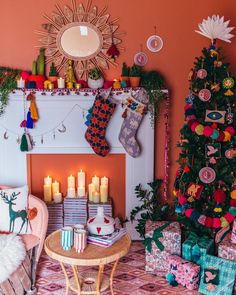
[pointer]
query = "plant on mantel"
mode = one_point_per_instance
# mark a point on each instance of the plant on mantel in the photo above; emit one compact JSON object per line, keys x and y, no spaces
{"x":153,"y":82}
{"x":151,"y":206}
{"x":7,"y":84}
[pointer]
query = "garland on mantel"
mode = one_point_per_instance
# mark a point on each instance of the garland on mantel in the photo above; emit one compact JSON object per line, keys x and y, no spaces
{"x":7,"y":84}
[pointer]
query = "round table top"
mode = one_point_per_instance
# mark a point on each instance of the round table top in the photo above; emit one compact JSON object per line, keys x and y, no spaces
{"x":92,"y":255}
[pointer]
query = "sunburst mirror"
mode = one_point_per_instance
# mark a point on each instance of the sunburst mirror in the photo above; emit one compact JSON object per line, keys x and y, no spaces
{"x":82,"y":34}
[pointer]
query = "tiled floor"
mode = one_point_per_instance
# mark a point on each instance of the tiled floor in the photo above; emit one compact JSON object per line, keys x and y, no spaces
{"x":130,"y":277}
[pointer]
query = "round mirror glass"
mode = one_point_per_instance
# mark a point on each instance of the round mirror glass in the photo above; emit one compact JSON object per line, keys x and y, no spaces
{"x":79,"y":41}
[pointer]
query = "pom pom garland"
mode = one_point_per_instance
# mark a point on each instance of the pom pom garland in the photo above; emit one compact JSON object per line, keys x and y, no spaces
{"x":188,"y":212}
{"x":231,"y":130}
{"x":208,"y":131}
{"x":224,"y":222}
{"x":229,"y":217}
{"x":216,"y":222}
{"x":199,"y":129}
{"x":233,"y":195}
{"x":182,"y":200}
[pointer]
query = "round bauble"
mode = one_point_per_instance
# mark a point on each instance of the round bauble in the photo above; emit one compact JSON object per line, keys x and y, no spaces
{"x":219,"y":196}
{"x":233,"y":195}
{"x":204,"y":95}
{"x":207,"y":175}
{"x":201,"y":74}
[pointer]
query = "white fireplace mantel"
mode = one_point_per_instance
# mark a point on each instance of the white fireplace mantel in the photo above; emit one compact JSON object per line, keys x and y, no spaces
{"x":52,"y":112}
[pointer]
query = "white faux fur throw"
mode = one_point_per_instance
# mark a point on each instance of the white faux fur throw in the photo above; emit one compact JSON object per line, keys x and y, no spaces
{"x":12,"y":253}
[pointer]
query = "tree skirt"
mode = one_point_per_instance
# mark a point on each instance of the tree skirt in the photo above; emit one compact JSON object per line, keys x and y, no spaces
{"x":12,"y":253}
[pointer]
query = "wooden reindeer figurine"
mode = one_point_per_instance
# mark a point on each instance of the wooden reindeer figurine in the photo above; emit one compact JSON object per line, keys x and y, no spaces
{"x":14,"y":214}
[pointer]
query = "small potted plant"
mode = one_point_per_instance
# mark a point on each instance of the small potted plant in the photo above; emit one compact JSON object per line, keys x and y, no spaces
{"x":53,"y":74}
{"x":95,"y":79}
{"x":125,"y":73}
{"x":134,"y":75}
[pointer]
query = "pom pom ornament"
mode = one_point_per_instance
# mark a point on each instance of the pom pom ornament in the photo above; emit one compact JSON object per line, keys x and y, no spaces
{"x":215,"y":27}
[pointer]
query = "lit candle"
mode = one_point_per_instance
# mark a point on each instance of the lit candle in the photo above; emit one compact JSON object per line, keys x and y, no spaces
{"x":57,"y":198}
{"x":71,"y":192}
{"x":95,"y":181}
{"x":96,"y":197}
{"x":69,"y":85}
{"x":104,"y":193}
{"x":48,"y":180}
{"x":71,"y":181}
{"x":61,"y":83}
{"x":104,"y":181}
{"x":47,"y":193}
{"x":51,"y":86}
{"x":20,"y":83}
{"x":81,"y":178}
{"x":91,"y":191}
{"x":81,"y":191}
{"x":55,"y":188}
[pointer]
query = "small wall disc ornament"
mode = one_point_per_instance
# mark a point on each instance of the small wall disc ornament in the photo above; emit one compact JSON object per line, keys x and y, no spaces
{"x":207,"y":175}
{"x":140,"y":59}
{"x":204,"y":95}
{"x":201,"y":74}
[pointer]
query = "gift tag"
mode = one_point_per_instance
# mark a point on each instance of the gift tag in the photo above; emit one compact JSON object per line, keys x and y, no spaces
{"x":207,"y":175}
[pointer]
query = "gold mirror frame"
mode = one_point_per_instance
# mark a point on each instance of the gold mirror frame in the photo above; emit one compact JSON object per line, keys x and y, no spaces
{"x":88,"y":15}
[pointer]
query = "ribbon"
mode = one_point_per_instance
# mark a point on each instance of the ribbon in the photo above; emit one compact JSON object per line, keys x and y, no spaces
{"x":155,"y":237}
{"x":197,"y":241}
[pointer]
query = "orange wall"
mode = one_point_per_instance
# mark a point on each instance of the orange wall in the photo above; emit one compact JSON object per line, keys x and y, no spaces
{"x":176,"y":21}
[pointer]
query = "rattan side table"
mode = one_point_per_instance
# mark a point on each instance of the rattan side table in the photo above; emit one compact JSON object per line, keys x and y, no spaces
{"x":90,"y":282}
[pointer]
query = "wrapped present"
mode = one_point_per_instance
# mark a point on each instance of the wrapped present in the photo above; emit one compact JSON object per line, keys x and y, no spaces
{"x":195,"y":248}
{"x":217,"y":276}
{"x":233,"y":234}
{"x":227,"y":249}
{"x":184,"y":272}
{"x":161,"y":239}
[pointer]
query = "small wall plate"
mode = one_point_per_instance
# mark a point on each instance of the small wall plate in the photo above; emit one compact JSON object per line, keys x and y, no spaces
{"x":154,"y":43}
{"x":140,"y":59}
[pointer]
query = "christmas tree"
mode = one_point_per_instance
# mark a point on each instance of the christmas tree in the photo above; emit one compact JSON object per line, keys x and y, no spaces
{"x":205,"y":185}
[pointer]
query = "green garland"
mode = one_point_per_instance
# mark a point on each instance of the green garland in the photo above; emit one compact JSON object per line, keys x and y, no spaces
{"x":7,"y":84}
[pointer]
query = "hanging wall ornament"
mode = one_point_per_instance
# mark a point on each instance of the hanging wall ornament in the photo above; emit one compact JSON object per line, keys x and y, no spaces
{"x":213,"y":150}
{"x":154,"y":42}
{"x":207,"y":175}
{"x":194,"y":190}
{"x":204,"y":95}
{"x":140,"y":59}
{"x":201,"y":74}
{"x":113,"y":52}
{"x":215,"y":116}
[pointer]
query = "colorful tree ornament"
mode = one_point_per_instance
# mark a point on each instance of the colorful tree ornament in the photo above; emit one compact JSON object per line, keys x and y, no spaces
{"x":204,"y":95}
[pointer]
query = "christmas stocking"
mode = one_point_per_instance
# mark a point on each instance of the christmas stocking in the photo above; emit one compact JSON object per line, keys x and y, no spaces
{"x":135,"y":109}
{"x":102,"y":111}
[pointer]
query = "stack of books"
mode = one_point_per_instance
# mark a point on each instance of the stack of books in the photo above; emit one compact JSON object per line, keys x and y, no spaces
{"x":75,"y":211}
{"x":55,"y":217}
{"x":92,"y":208}
{"x":109,"y":240}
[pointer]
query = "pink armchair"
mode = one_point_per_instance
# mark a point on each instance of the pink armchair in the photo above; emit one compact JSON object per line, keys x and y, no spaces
{"x":34,"y":244}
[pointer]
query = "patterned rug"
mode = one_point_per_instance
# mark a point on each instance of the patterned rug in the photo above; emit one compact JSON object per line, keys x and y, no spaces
{"x":130,"y":277}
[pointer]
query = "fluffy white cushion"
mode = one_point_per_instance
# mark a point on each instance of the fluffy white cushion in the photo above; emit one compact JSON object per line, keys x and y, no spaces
{"x":14,"y":210}
{"x":12,"y":253}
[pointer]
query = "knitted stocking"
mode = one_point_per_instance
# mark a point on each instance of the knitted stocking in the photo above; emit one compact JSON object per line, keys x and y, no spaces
{"x":102,"y":111}
{"x":135,"y":109}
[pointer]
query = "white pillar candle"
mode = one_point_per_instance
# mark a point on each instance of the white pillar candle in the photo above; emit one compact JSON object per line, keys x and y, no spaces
{"x":81,"y":191}
{"x":55,"y":188}
{"x":57,"y":198}
{"x":48,"y":180}
{"x":104,"y":181}
{"x":71,"y":192}
{"x":81,"y":179}
{"x":95,"y":181}
{"x":61,"y":83}
{"x":96,"y":197}
{"x":20,"y":83}
{"x":47,"y":193}
{"x":91,"y":191}
{"x":104,"y":193}
{"x":71,"y":181}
